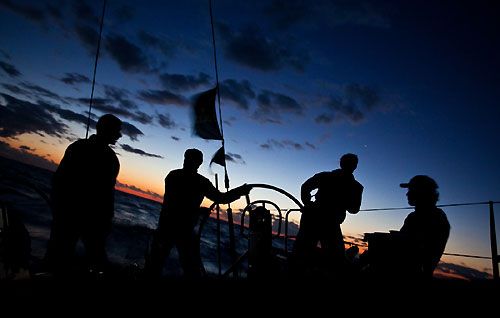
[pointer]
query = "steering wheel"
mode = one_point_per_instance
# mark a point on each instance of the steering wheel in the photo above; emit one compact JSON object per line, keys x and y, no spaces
{"x":251,"y":204}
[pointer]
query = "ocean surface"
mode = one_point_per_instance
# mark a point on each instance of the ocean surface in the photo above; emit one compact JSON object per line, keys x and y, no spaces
{"x":24,"y":190}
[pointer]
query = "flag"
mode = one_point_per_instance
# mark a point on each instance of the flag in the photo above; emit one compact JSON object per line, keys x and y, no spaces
{"x":219,"y":157}
{"x":205,"y":118}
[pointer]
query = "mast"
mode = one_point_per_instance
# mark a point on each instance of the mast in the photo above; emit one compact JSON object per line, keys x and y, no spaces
{"x":232,"y":246}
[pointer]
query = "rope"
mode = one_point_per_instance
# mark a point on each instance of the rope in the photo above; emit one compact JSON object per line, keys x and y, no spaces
{"x":464,"y":255}
{"x":439,"y":206}
{"x":95,"y":70}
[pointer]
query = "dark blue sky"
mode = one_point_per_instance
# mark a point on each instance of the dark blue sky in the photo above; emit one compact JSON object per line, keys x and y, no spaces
{"x":409,"y":86}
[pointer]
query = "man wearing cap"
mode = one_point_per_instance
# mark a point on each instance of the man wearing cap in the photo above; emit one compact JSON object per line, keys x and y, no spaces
{"x":426,"y":230}
{"x":82,"y":198}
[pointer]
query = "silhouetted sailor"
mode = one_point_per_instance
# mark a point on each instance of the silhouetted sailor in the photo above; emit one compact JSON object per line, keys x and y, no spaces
{"x":337,"y":192}
{"x":425,"y":231}
{"x":184,"y":192}
{"x":82,"y":197}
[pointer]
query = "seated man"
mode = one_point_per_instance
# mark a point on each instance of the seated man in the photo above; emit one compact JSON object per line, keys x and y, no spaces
{"x":426,"y":230}
{"x":415,"y":250}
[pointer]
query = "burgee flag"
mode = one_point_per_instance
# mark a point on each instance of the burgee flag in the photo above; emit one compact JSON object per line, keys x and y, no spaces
{"x":219,"y":157}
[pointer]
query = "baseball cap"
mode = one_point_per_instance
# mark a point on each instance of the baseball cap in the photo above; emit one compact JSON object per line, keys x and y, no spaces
{"x":420,"y":182}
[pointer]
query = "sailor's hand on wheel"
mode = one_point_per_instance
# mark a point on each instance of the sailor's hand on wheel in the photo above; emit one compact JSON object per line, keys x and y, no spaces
{"x":205,"y":211}
{"x":245,"y":189}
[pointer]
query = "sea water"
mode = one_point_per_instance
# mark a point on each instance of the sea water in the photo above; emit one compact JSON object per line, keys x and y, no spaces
{"x":24,"y":190}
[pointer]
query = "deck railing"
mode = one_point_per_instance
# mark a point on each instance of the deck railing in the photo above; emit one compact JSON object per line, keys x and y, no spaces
{"x":493,"y":238}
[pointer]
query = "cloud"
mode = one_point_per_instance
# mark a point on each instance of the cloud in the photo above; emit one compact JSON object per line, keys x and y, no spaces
{"x":142,"y":117}
{"x":23,"y":155}
{"x":149,"y":193}
{"x":166,"y":122}
{"x":365,"y":96}
{"x":271,"y":105}
{"x":29,"y":12}
{"x":88,"y":37}
{"x":165,"y":45}
{"x":123,"y":13}
{"x":16,"y":89}
{"x":179,"y":82}
{"x":162,"y":97}
{"x":353,"y":104}
{"x":110,"y":109}
{"x":129,"y":56}
{"x":255,"y":50}
{"x":120,"y":95}
{"x":10,"y":69}
{"x":328,"y":118}
{"x":101,"y":104}
{"x":54,"y":12}
{"x":37,"y":91}
{"x":85,"y":13}
{"x":139,"y":151}
{"x":131,"y":131}
{"x":128,"y":129}
{"x":37,"y":118}
{"x":310,"y":145}
{"x":74,"y":78}
{"x":238,"y":92}
{"x":26,"y":148}
{"x":235,"y":158}
{"x":5,"y":54}
{"x":451,"y":270}
{"x":96,"y":101}
{"x":349,"y":12}
{"x":285,"y":14}
{"x":18,"y":117}
{"x":68,"y":114}
{"x":105,"y":106}
{"x":286,"y":144}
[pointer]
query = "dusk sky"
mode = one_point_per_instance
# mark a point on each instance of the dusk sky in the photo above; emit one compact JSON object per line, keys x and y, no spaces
{"x":411,"y":87}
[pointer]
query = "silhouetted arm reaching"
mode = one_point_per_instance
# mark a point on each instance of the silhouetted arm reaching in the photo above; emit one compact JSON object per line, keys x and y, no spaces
{"x":227,"y":197}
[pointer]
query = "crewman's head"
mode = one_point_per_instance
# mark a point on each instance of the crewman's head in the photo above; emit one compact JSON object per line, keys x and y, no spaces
{"x":422,"y":190}
{"x":193,"y":158}
{"x":349,"y":162}
{"x":108,"y":128}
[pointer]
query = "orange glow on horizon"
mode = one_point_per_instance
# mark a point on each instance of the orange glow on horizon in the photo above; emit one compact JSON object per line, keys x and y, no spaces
{"x":138,"y":193}
{"x":448,"y":275}
{"x":48,"y":150}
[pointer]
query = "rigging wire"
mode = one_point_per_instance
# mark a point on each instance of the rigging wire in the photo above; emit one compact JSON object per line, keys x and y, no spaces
{"x":95,"y":70}
{"x":439,"y":206}
{"x":216,"y":71}
{"x":226,"y":177}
